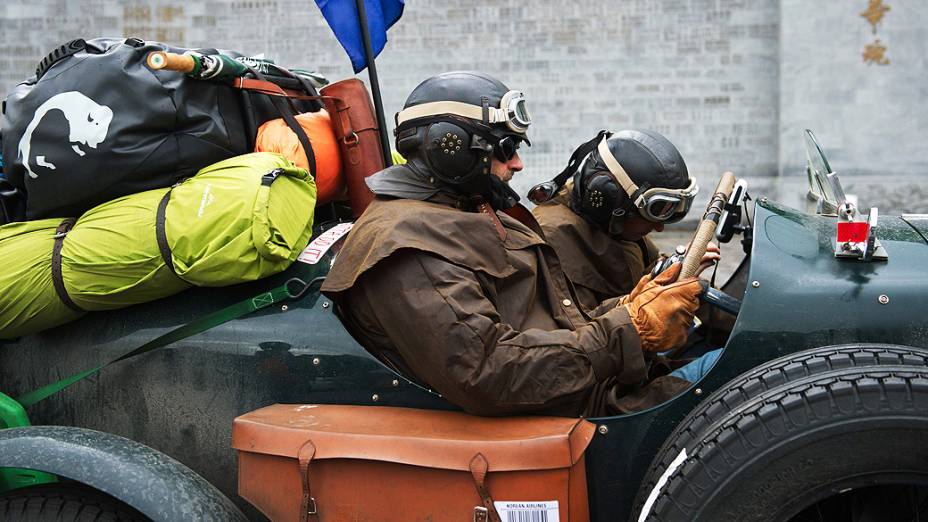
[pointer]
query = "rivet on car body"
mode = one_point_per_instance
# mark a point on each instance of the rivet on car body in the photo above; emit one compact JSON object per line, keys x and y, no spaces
{"x":603,"y":429}
{"x":396,"y":383}
{"x":755,"y":284}
{"x":375,"y":397}
{"x":763,"y":200}
{"x":316,"y":361}
{"x":697,"y":392}
{"x":284,"y":308}
{"x":325,"y":304}
{"x":884,"y":299}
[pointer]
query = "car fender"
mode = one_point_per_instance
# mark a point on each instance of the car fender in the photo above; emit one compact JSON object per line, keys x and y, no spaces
{"x":149,"y":481}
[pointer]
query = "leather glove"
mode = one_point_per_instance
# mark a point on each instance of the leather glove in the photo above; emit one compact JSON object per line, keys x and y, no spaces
{"x":662,"y":309}
{"x":642,"y":283}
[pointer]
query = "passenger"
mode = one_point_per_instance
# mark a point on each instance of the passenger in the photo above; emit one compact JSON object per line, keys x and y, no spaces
{"x":631,"y":184}
{"x":436,"y":280}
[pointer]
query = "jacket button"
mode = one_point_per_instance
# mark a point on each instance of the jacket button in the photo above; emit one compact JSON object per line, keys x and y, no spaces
{"x":566,"y":302}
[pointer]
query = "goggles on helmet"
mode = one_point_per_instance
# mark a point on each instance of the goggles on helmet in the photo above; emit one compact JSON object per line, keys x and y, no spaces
{"x":658,"y":205}
{"x":512,"y":112}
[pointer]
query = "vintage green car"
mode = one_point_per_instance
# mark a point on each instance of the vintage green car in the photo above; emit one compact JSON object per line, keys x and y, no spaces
{"x":817,"y":410}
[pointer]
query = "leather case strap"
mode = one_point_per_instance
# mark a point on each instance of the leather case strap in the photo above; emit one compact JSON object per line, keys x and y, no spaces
{"x":308,"y":509}
{"x":478,"y":470}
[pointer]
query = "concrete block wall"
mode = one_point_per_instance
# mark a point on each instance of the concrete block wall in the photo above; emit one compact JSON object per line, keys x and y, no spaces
{"x":728,"y":81}
{"x":871,"y":119}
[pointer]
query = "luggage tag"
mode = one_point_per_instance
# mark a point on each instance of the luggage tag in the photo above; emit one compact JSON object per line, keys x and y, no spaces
{"x":510,"y":511}
{"x":317,"y":248}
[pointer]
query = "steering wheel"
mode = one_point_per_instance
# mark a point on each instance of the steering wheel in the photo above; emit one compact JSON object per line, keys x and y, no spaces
{"x":706,"y":230}
{"x":700,"y":242}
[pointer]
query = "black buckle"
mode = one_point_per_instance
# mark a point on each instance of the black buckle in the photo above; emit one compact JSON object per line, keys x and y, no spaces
{"x":269,"y":178}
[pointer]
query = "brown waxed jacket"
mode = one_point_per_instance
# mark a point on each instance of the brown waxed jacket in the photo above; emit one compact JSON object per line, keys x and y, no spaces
{"x":599,"y":265}
{"x":489,"y":322}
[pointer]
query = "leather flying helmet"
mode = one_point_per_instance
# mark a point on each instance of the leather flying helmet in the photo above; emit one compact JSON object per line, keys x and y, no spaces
{"x":633,"y":172}
{"x":456,"y":122}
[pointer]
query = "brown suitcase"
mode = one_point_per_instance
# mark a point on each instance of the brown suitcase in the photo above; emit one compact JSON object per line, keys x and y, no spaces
{"x":358,"y":134}
{"x":370,"y":463}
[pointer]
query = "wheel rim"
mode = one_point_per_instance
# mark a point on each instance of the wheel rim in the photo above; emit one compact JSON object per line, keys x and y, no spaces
{"x":875,"y":497}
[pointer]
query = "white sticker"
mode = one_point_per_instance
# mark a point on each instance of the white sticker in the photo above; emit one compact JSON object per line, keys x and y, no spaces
{"x":319,"y":246}
{"x":528,"y":511}
{"x":652,"y":497}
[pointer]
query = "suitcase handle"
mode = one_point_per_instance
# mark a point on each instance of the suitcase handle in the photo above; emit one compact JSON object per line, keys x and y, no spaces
{"x":62,"y":52}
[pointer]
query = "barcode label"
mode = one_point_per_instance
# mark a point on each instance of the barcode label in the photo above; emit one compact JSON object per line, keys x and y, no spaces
{"x":528,"y":511}
{"x":534,"y":515}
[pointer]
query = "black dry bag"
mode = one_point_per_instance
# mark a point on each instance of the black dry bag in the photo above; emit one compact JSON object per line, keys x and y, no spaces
{"x":96,"y":123}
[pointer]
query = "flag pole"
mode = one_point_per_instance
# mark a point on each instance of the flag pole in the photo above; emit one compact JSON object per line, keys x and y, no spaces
{"x":375,"y":84}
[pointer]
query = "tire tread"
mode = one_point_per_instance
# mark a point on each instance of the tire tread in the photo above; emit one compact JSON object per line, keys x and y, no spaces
{"x":64,"y":502}
{"x":762,"y":379}
{"x":697,"y":476}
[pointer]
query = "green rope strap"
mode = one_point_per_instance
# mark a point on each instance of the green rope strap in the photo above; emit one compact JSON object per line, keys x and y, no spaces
{"x":292,"y":289}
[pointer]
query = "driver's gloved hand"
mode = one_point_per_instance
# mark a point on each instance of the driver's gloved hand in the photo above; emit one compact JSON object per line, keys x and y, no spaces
{"x":642,"y":283}
{"x":662,"y":309}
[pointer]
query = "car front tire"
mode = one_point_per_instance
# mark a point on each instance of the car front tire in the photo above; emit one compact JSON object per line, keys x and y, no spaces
{"x":64,"y":502}
{"x":800,"y":446}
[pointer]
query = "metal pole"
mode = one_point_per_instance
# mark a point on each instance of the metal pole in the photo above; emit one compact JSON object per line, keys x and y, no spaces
{"x":375,"y":84}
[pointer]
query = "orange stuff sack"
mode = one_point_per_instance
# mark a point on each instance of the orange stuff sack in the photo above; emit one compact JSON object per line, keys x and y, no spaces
{"x":276,"y":136}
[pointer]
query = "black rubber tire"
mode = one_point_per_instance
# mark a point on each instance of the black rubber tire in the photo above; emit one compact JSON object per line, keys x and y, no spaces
{"x":64,"y":502}
{"x":799,"y":443}
{"x":761,"y":379}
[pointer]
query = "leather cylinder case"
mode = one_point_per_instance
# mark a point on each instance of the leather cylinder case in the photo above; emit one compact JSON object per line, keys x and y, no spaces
{"x":370,"y":463}
{"x":355,"y":123}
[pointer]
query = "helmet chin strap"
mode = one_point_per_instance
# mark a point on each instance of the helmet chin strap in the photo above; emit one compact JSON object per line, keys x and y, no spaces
{"x":617,"y":222}
{"x":501,"y":196}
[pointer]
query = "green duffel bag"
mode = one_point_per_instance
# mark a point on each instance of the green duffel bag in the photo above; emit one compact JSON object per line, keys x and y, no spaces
{"x":27,"y":294}
{"x":110,"y":259}
{"x":238,"y":220}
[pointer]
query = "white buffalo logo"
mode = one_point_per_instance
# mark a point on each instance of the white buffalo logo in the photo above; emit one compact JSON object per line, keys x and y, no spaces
{"x":88,"y":124}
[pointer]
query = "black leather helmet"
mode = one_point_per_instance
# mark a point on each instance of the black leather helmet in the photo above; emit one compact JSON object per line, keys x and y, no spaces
{"x":633,"y":172}
{"x":455,"y":122}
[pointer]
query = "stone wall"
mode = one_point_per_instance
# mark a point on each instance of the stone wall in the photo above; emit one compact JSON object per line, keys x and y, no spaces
{"x":731,"y":82}
{"x":869,"y":115}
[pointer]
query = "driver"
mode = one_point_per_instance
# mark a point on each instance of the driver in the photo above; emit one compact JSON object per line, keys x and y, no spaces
{"x":439,"y":280}
{"x":632,"y":183}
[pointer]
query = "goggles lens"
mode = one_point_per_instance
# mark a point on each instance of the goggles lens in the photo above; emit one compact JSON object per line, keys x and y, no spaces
{"x":662,"y":208}
{"x":667,"y":206}
{"x":516,"y":111}
{"x":506,"y":148}
{"x":519,"y":112}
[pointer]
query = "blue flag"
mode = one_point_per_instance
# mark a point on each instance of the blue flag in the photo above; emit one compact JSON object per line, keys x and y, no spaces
{"x":342,"y":16}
